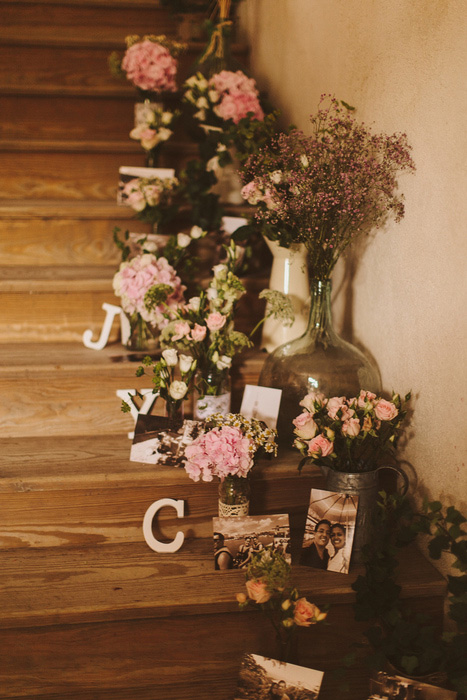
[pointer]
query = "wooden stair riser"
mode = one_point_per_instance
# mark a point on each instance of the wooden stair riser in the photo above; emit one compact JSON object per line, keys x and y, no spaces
{"x":141,"y":18}
{"x":69,"y":174}
{"x":101,"y":514}
{"x":61,"y":241}
{"x":179,"y":658}
{"x":56,"y":315}
{"x":71,"y":66}
{"x":66,"y":117}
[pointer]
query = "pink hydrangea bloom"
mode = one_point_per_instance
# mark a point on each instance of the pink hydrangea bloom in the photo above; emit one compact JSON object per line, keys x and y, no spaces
{"x":150,"y":66}
{"x":220,"y":452}
{"x":135,"y":277}
{"x":238,"y":96}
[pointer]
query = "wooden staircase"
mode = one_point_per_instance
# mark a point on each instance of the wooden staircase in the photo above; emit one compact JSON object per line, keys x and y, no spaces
{"x":88,"y":611}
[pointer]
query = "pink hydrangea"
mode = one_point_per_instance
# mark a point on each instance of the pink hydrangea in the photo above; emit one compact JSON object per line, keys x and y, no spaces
{"x":238,"y":96}
{"x":150,"y":66}
{"x":135,"y":277}
{"x":220,"y":452}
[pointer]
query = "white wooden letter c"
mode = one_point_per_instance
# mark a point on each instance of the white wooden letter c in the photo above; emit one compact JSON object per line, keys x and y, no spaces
{"x":151,"y":541}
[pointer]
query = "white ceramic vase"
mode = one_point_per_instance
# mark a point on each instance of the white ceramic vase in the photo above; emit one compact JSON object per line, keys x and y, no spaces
{"x":289,"y":274}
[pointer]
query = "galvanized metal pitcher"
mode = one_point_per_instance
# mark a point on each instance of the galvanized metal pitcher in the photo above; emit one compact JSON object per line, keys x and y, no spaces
{"x":365,"y":485}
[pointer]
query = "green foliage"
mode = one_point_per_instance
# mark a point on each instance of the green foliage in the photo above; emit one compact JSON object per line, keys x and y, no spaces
{"x":409,"y":640}
{"x":123,"y":246}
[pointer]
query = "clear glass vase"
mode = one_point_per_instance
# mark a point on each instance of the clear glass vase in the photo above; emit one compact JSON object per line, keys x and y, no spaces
{"x":319,"y":360}
{"x":137,"y":334}
{"x":212,"y":394}
{"x":234,"y":496}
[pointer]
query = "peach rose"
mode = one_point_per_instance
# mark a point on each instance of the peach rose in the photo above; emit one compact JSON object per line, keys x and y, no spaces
{"x":309,"y":400}
{"x":306,"y":614}
{"x":351,"y":427}
{"x":334,"y":405}
{"x":198,"y":333}
{"x":364,"y":397}
{"x":257,"y":591}
{"x":385,"y":410}
{"x":319,"y":446}
{"x":305,"y":426}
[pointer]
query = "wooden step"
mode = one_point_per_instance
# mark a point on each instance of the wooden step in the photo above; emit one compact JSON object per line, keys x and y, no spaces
{"x":76,"y":169}
{"x":84,"y":491}
{"x":78,"y":622}
{"x":68,"y":389}
{"x":144,"y":15}
{"x":73,"y":58}
{"x":63,"y":233}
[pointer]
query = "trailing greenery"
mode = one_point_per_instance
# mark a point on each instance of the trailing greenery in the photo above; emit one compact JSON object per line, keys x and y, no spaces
{"x":409,"y":640}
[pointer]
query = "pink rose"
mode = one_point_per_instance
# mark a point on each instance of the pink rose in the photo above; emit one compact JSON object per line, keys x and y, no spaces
{"x":305,"y":426}
{"x":334,"y":405}
{"x":319,"y":446}
{"x":310,"y":399}
{"x":182,"y":329}
{"x":257,"y":591}
{"x":365,"y":397}
{"x":305,"y":613}
{"x":351,"y":427}
{"x":198,"y":333}
{"x":385,"y":410}
{"x":215,"y":321}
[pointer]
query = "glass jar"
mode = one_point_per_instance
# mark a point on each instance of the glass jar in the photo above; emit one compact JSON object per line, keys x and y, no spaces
{"x":212,"y":393}
{"x":234,"y":496}
{"x":319,"y":360}
{"x":137,"y":334}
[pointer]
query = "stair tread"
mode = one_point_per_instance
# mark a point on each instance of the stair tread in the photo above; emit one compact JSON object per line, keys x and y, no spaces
{"x":53,"y":279}
{"x":87,"y":145}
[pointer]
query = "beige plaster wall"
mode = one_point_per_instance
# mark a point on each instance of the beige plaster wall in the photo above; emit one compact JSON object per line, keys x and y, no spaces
{"x":403,"y":65}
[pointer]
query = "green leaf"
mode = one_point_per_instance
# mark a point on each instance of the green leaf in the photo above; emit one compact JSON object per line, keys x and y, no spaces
{"x":126,"y":408}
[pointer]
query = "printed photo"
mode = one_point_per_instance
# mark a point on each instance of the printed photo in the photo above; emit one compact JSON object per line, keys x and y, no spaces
{"x":384,"y":685}
{"x":158,"y":440}
{"x":237,"y":539}
{"x":261,"y":678}
{"x":329,"y":531}
{"x":127,"y":173}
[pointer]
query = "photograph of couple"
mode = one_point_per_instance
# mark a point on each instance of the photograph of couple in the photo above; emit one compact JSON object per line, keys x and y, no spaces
{"x":329,"y":531}
{"x":261,"y":678}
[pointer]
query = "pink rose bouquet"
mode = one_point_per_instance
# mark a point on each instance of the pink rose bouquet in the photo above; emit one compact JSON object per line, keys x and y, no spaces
{"x":349,"y":434}
{"x":269,"y":589}
{"x":227,"y":447}
{"x":149,"y":63}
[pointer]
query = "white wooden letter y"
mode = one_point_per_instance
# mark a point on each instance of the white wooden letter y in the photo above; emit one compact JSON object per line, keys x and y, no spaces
{"x":128,"y":395}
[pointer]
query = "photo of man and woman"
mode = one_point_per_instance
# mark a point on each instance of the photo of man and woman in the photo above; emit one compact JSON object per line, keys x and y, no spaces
{"x":261,"y":678}
{"x":329,"y":531}
{"x":158,"y":440}
{"x":237,"y":539}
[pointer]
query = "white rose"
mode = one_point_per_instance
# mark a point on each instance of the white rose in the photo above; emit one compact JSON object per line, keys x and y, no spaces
{"x":164,"y":134}
{"x":202,"y":103}
{"x":212,"y":164}
{"x":185,"y":363}
{"x":194,"y":303}
{"x":183,"y":240}
{"x":191,"y":82}
{"x":276,"y":176}
{"x":213,"y":95}
{"x":201,"y":115}
{"x":177,"y":390}
{"x":170,"y":356}
{"x":212,"y":294}
{"x":197,"y":232}
{"x":219,"y":270}
{"x":189,"y":96}
{"x":224,"y":362}
{"x":166,"y":118}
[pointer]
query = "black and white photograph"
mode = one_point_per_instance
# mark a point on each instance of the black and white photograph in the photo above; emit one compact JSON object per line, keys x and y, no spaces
{"x":237,"y":539}
{"x":329,"y":531}
{"x":384,"y":685}
{"x":159,"y":440}
{"x":261,"y":678}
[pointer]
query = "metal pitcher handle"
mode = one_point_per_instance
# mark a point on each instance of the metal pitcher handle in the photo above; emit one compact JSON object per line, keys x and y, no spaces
{"x":401,"y":472}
